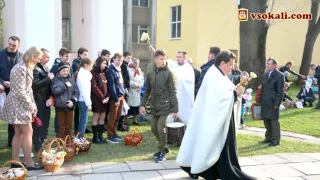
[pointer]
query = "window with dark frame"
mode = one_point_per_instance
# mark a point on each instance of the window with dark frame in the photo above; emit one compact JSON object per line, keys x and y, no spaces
{"x":140,"y":3}
{"x":175,"y":22}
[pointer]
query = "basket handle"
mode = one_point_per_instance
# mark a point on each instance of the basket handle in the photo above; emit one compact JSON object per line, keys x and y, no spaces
{"x":77,"y":136}
{"x":68,"y":139}
{"x":57,"y":140}
{"x":14,"y":161}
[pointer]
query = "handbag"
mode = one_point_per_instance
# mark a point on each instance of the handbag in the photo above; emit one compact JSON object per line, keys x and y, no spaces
{"x":36,"y":121}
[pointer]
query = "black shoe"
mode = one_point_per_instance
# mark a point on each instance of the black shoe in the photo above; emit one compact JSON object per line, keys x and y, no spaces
{"x":100,"y":133}
{"x":167,"y":151}
{"x":274,"y":143}
{"x":88,"y":131}
{"x":35,"y":167}
{"x":17,"y":165}
{"x":161,"y":158}
{"x":95,"y":138}
{"x":192,"y":176}
{"x":135,"y":123}
{"x":265,"y":141}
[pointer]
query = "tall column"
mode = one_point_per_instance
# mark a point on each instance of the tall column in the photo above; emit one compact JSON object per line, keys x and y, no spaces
{"x":35,"y":22}
{"x":101,"y":28}
{"x":153,"y":23}
{"x":153,"y":27}
{"x":129,"y":26}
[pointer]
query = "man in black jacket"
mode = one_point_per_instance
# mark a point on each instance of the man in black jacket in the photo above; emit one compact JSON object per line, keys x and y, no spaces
{"x":235,"y":74}
{"x":214,"y":51}
{"x":270,"y":99}
{"x":287,"y":67}
{"x":41,"y":92}
{"x":8,"y":58}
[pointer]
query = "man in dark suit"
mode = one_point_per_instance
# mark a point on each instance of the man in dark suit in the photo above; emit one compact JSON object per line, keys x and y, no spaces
{"x":41,"y":91}
{"x":9,"y":57}
{"x":270,"y":99}
{"x":196,"y":76}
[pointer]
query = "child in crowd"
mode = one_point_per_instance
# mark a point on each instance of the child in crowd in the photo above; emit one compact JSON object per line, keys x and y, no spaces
{"x":99,"y":98}
{"x":248,"y":98}
{"x":243,"y":111}
{"x":83,"y":79}
{"x":66,"y":93}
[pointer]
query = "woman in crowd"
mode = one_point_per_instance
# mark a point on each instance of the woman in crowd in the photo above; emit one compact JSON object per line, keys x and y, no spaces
{"x":99,"y":98}
{"x":20,"y":107}
{"x":134,"y":97}
{"x":84,"y":84}
{"x":66,"y":93}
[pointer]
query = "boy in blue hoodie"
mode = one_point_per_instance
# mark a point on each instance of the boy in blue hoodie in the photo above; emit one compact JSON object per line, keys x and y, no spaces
{"x":117,"y":91}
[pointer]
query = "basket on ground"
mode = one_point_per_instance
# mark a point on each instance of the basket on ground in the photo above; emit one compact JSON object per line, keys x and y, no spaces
{"x":45,"y":145}
{"x":82,"y":146}
{"x":133,"y":139}
{"x":53,"y":159}
{"x":13,"y":173}
{"x":70,"y":149}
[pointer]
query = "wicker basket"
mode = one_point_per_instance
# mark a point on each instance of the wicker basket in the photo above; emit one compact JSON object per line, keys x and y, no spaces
{"x":22,"y":177}
{"x":70,"y":149}
{"x":51,"y":167}
{"x":82,"y":149}
{"x":44,"y":146}
{"x":133,"y":139}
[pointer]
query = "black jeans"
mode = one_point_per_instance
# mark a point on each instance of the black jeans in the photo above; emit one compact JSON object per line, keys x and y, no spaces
{"x":10,"y":134}
{"x":76,"y":119}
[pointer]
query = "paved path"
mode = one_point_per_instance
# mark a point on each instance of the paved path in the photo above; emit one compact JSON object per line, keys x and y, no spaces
{"x":284,"y":135}
{"x":291,"y":166}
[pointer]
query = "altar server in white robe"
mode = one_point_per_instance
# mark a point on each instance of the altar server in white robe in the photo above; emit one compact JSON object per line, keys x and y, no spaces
{"x":208,"y":148}
{"x":184,"y":75}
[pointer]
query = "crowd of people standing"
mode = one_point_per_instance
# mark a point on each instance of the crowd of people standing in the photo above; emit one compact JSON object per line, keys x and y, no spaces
{"x":105,"y":85}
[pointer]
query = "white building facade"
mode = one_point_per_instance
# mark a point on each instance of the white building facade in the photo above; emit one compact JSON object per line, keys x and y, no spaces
{"x":52,"y":24}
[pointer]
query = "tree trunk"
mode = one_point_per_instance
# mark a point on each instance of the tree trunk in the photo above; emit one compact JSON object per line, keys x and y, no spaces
{"x":253,"y":36}
{"x":307,"y":51}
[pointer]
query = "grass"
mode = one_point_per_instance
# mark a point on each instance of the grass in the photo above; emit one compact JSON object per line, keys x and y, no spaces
{"x":303,"y":121}
{"x":247,"y":146}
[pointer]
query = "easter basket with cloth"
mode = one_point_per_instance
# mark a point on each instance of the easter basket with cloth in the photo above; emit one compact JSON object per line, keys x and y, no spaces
{"x":133,"y":139}
{"x":13,"y":173}
{"x":82,"y":146}
{"x":52,"y":159}
{"x":70,"y":149}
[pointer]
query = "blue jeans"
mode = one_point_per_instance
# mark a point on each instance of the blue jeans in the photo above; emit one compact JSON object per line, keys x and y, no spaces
{"x":83,"y":109}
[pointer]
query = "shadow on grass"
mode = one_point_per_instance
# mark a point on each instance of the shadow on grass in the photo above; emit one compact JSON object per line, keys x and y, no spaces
{"x":252,"y":148}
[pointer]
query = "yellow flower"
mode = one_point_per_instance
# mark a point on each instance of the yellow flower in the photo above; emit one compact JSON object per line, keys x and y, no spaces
{"x":145,"y":36}
{"x":253,"y":75}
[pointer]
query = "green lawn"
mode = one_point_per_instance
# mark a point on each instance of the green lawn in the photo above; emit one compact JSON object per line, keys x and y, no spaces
{"x":247,"y":146}
{"x":304,"y":121}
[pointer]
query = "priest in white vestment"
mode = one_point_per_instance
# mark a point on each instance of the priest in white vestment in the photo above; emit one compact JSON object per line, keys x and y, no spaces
{"x":184,"y":75}
{"x":208,"y":148}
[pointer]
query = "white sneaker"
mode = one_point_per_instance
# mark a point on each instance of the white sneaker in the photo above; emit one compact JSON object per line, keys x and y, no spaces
{"x":22,"y":155}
